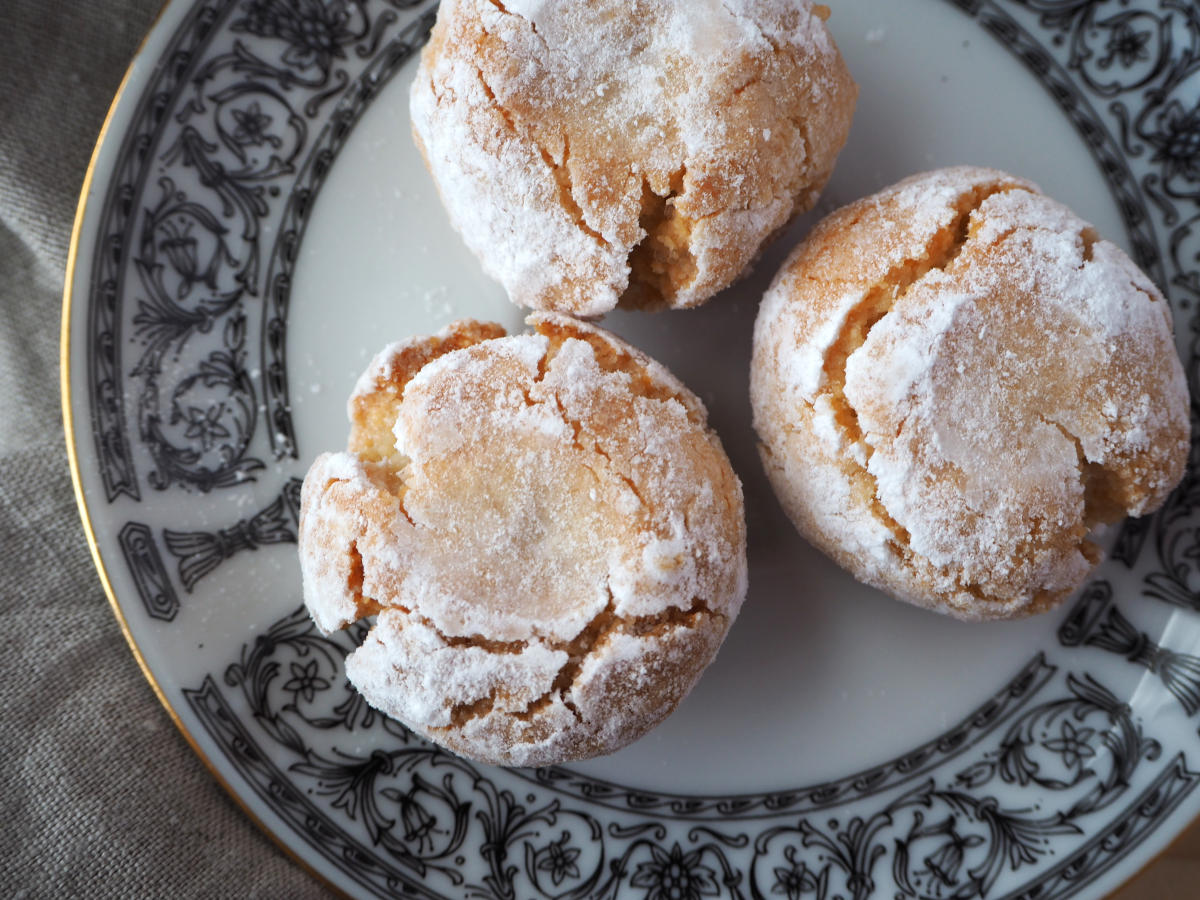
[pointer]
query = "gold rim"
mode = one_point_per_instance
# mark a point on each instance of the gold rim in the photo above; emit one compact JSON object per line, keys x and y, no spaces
{"x":77,"y":481}
{"x":93,"y":546}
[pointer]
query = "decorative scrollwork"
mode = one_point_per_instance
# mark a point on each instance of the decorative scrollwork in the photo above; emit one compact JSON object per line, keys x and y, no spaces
{"x":200,"y":552}
{"x":236,"y":136}
{"x":1060,"y":764}
{"x":149,"y":576}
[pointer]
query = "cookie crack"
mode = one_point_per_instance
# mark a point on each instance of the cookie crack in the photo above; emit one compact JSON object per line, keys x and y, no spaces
{"x":462,"y":713}
{"x":575,"y":426}
{"x":579,"y":430}
{"x":754,"y":79}
{"x":942,"y":249}
{"x":600,"y":629}
{"x":615,"y":361}
{"x":566,"y":189}
{"x":803,"y":134}
{"x":495,"y":102}
{"x":579,"y":649}
{"x":504,"y":10}
{"x":1102,"y":487}
{"x":363,"y":605}
{"x":479,"y":641}
{"x":390,"y":476}
{"x":609,"y":360}
{"x":1089,"y":238}
{"x":661,"y":264}
{"x":559,"y":171}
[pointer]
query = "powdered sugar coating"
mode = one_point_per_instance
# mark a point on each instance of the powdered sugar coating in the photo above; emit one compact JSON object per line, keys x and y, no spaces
{"x":562,"y":134}
{"x":954,"y":381}
{"x":521,"y":511}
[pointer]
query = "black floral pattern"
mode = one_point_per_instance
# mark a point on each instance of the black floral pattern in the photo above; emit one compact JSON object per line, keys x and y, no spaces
{"x":1126,"y":46}
{"x":316,"y":32}
{"x":253,"y":127}
{"x":675,"y":875}
{"x":929,"y":859}
{"x":237,"y":149}
{"x":305,"y":681}
{"x":1074,"y":746}
{"x":796,"y":879}
{"x":1175,"y":137}
{"x":558,"y":859}
{"x":1065,"y":759}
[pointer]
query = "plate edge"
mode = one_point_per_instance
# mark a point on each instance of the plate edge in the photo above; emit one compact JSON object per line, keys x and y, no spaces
{"x":69,"y":436}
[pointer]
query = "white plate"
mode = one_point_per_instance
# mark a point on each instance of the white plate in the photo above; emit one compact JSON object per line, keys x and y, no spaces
{"x":257,"y":224}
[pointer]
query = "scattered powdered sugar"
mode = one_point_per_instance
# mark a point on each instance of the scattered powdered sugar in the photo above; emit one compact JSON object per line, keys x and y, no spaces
{"x":431,"y":422}
{"x":910,"y":338}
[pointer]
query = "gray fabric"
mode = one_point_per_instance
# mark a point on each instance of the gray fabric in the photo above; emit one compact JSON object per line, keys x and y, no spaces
{"x":101,"y":795}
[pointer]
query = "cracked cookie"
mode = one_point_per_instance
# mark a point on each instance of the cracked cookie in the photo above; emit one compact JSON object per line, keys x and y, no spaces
{"x":550,"y":535}
{"x":596,"y":153}
{"x":954,"y":381}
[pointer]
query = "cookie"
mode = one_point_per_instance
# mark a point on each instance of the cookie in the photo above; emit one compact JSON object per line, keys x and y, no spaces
{"x":596,"y":153}
{"x":549,"y":534}
{"x":955,"y":381}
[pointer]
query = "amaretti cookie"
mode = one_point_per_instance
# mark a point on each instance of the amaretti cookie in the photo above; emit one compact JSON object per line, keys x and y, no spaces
{"x":954,"y":381}
{"x":552,"y":539}
{"x":592,"y":152}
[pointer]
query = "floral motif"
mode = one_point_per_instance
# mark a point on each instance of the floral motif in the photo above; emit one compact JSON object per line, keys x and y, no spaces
{"x":317,"y":31}
{"x":418,"y":825}
{"x":252,"y":126}
{"x":1126,"y":45}
{"x":675,"y":876}
{"x":202,"y":435}
{"x":940,"y":849}
{"x":305,"y":682}
{"x":205,"y":425}
{"x":1073,"y":745}
{"x":184,"y":246}
{"x":558,"y":860}
{"x":797,"y":879}
{"x":1177,"y":141}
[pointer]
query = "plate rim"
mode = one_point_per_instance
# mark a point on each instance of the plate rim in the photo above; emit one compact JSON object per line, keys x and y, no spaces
{"x":70,"y":439}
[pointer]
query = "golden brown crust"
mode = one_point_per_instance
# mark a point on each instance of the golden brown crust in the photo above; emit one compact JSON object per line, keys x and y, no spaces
{"x":374,"y":404}
{"x":954,"y":381}
{"x":592,"y":154}
{"x":531,"y":516}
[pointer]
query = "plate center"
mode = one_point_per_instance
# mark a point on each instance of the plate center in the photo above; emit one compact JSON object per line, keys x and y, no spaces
{"x":820,"y":677}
